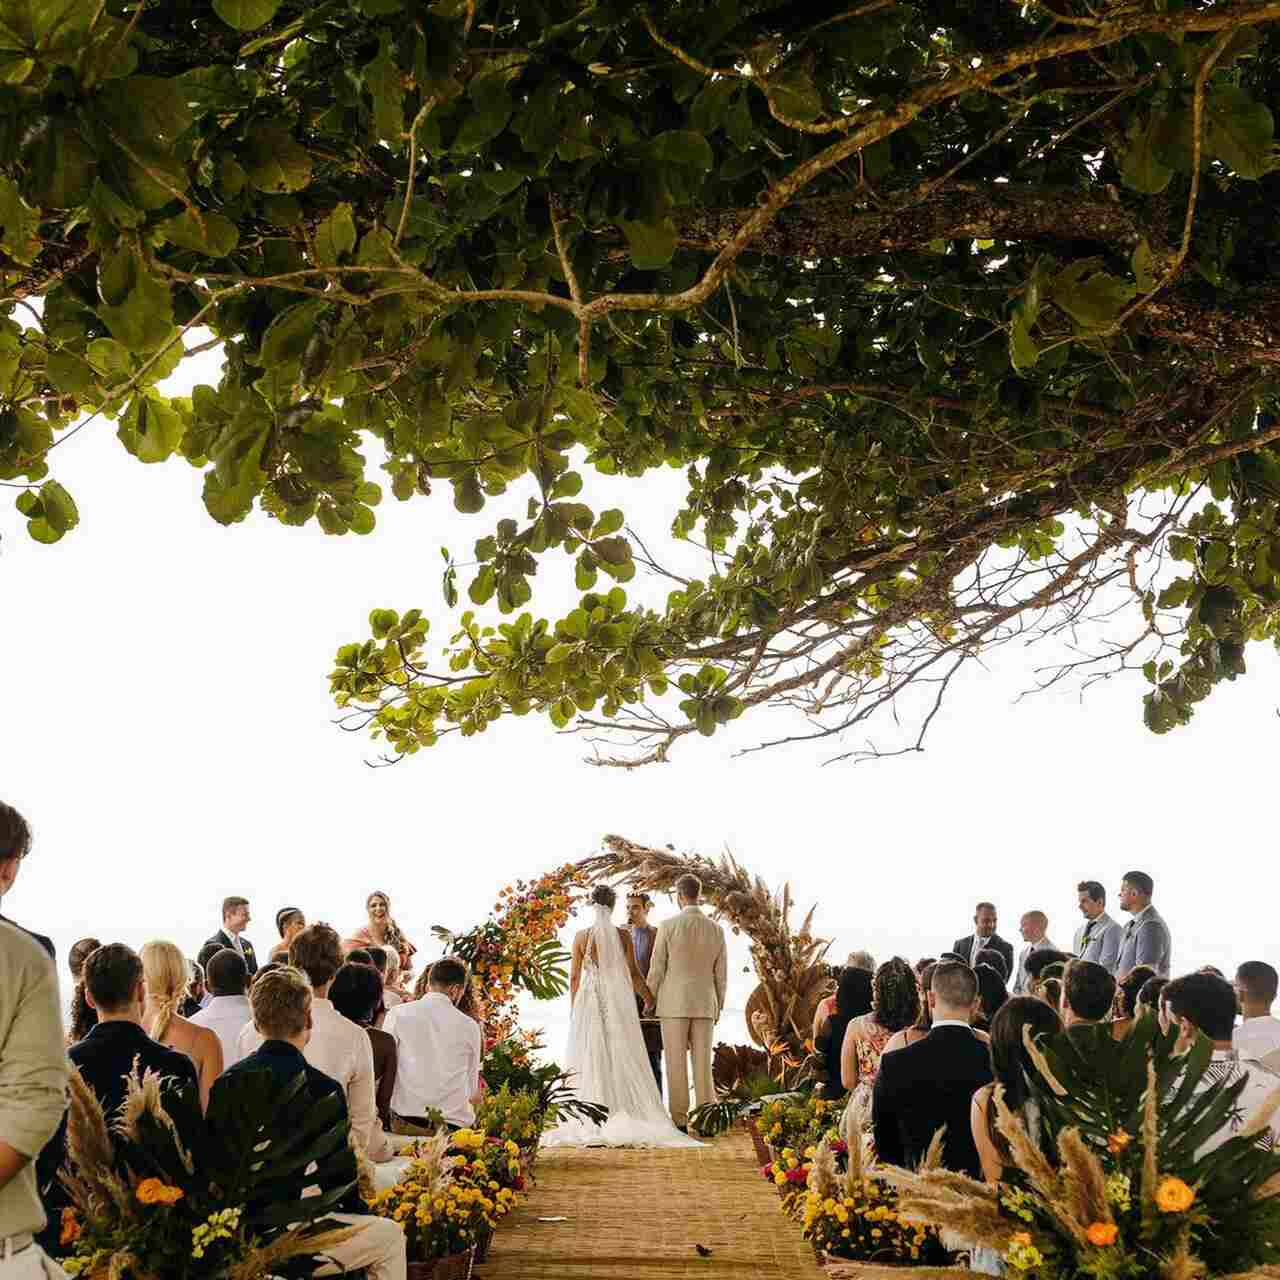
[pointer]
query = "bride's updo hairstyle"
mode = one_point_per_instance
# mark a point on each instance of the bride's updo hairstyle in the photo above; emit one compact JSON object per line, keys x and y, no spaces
{"x":604,"y":896}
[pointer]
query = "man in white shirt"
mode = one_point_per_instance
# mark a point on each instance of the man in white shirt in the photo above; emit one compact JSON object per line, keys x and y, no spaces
{"x":1098,"y":939}
{"x":1202,"y":1003}
{"x":438,"y":1050}
{"x":337,"y":1046}
{"x":1259,"y":1033}
{"x":228,"y":1011}
{"x":1034,"y":927}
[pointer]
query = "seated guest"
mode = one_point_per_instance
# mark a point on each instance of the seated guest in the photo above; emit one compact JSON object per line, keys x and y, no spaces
{"x":196,"y":995}
{"x":116,"y":990}
{"x":282,"y":1019}
{"x":1088,"y":992}
{"x":1150,"y":997}
{"x":927,"y":1085}
{"x":1203,"y":1004}
{"x":337,"y":1047}
{"x":995,"y":960}
{"x":165,"y":971}
{"x":438,"y":1051}
{"x":1050,"y":991}
{"x":1126,"y":1007}
{"x":390,"y":977}
{"x":895,"y":1005}
{"x":382,"y":930}
{"x":1036,"y":964}
{"x":992,"y":993}
{"x":853,"y":999}
{"x":227,"y":1013}
{"x":289,"y":923}
{"x":357,"y":994}
{"x":82,"y":1014}
{"x":924,"y":1021}
{"x":1259,"y":1033}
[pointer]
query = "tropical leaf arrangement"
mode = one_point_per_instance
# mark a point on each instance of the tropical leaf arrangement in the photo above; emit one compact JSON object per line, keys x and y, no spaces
{"x":741,"y":1075}
{"x":1114,"y":1182}
{"x":787,"y":961}
{"x":163,"y":1195}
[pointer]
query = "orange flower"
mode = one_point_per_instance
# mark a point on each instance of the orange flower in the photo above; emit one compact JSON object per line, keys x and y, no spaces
{"x":153,"y":1191}
{"x":1102,"y":1233}
{"x":70,"y":1228}
{"x":1022,"y":1237}
{"x":1174,"y":1196}
{"x":1118,"y":1141}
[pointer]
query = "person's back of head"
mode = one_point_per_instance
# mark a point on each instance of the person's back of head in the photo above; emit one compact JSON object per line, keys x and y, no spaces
{"x":853,"y":994}
{"x":165,"y":969}
{"x":357,"y":992}
{"x":447,"y":974}
{"x":1088,"y":991}
{"x":895,"y":1000}
{"x":1038,"y":961}
{"x":226,"y":974}
{"x":1256,"y":985}
{"x":1130,"y":985}
{"x":361,"y":955}
{"x":1050,"y":991}
{"x":317,"y":951}
{"x":285,"y":917}
{"x":113,"y":981}
{"x":861,"y":960}
{"x":1204,"y":1002}
{"x":79,"y":953}
{"x":953,"y":992}
{"x":688,"y":889}
{"x":991,"y":990}
{"x":990,"y":956}
{"x":207,"y":952}
{"x":1011,"y":1064}
{"x":1149,"y":997}
{"x":377,"y":959}
{"x":281,"y":1003}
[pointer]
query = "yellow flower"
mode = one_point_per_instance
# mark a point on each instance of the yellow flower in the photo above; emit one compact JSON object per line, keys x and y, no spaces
{"x":1174,"y":1196}
{"x":1102,"y":1233}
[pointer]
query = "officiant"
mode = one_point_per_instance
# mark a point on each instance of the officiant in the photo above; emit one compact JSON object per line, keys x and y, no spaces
{"x":642,"y":938}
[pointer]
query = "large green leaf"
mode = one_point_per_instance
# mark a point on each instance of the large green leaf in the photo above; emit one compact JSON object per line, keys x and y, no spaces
{"x":151,"y":429}
{"x":1239,"y":131}
{"x":335,"y":236}
{"x":652,"y":244}
{"x":139,"y":308}
{"x":19,"y":224}
{"x":1140,"y":165}
{"x":217,"y":238}
{"x":1091,"y":297}
{"x":246,"y":15}
{"x":274,"y":160}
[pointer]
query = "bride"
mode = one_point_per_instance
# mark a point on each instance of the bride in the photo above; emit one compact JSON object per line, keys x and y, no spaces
{"x":606,"y":1049}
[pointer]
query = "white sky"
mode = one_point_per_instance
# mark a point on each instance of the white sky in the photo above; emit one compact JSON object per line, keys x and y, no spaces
{"x":166,"y":727}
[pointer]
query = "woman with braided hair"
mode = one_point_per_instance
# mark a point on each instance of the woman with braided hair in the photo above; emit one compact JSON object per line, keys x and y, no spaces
{"x":382,"y":931}
{"x":165,"y":972}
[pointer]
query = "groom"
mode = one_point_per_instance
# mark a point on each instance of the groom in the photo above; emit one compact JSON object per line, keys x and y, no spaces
{"x":688,"y":976}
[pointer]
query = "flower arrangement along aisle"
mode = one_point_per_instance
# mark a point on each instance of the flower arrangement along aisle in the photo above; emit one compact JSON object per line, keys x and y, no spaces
{"x":1115,"y":1181}
{"x":519,"y":949}
{"x":146,"y":1207}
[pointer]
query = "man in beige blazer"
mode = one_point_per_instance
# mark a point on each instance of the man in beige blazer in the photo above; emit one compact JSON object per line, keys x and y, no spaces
{"x":688,"y":975}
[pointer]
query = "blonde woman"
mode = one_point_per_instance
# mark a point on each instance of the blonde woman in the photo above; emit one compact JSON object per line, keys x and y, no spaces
{"x":165,"y":972}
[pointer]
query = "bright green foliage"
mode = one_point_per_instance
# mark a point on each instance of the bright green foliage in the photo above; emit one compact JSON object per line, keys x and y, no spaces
{"x":902,"y":289}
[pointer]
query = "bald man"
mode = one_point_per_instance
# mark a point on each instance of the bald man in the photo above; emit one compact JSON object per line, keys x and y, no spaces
{"x":1035,"y":937}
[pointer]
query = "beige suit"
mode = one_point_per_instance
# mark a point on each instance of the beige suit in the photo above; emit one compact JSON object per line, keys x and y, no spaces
{"x":688,"y":976}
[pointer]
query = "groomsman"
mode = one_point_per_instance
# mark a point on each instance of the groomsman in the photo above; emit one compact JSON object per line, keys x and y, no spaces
{"x":1146,"y":938}
{"x":235,"y":920}
{"x":984,"y":935}
{"x":642,"y":939}
{"x":1034,"y":928}
{"x":1098,"y":939}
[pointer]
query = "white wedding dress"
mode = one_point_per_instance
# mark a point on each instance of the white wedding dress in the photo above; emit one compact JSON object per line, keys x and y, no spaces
{"x":607,"y":1055}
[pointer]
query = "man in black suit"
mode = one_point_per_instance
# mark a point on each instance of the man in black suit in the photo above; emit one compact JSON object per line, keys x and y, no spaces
{"x":235,"y":920}
{"x":113,"y":986}
{"x":930,"y":1084}
{"x":984,"y":935}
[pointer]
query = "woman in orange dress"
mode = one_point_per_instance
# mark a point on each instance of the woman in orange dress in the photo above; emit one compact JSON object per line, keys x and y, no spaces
{"x":382,"y":931}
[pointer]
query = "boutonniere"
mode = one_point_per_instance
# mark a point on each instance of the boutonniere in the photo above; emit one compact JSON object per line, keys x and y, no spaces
{"x":248,"y":946}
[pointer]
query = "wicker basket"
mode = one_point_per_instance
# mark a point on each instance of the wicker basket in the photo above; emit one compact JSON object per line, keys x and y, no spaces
{"x":763,"y":1155}
{"x":456,"y":1266}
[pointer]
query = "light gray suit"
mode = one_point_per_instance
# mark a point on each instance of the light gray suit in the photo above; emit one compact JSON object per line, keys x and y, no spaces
{"x":1102,"y":945}
{"x":1146,"y":940}
{"x":688,"y":975}
{"x":1020,"y":978}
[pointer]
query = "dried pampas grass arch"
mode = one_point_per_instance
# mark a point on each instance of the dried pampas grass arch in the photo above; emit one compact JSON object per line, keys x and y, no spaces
{"x":788,"y":962}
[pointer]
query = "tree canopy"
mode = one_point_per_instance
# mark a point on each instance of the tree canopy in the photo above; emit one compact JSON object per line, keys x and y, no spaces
{"x":960,"y":317}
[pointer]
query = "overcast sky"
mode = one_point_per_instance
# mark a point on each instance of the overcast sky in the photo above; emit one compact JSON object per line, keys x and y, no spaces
{"x":167,"y":729}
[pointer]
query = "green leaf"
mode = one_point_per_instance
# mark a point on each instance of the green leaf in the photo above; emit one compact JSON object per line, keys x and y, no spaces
{"x":1092,"y":298}
{"x":490,"y":109}
{"x":19,"y":224}
{"x":795,"y":96}
{"x":274,"y":160}
{"x":1141,"y":262}
{"x":61,"y":164}
{"x":287,"y":335}
{"x":652,"y":244}
{"x":143,"y":318}
{"x":1141,"y":167}
{"x":362,"y":520}
{"x":246,"y":15}
{"x":609,"y":522}
{"x":70,"y":374}
{"x":1239,"y":131}
{"x":684,"y":147}
{"x":151,"y":429}
{"x":59,"y":507}
{"x":1023,"y":352}
{"x":335,"y":236}
{"x":219,"y":237}
{"x":383,"y":81}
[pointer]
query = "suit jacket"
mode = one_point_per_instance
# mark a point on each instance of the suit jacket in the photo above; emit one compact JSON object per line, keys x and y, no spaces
{"x":964,"y":949}
{"x":1103,"y":946}
{"x":1145,"y":940}
{"x":689,"y":972}
{"x":651,"y":1032}
{"x":924,"y":1086}
{"x":223,"y":939}
{"x":1020,"y":978}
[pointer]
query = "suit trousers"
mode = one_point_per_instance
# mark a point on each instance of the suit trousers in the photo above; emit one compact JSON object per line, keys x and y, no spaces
{"x":379,"y":1248}
{"x":681,"y":1037}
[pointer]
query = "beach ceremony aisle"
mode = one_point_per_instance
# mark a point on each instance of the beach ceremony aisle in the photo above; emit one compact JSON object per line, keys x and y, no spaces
{"x":643,"y":1214}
